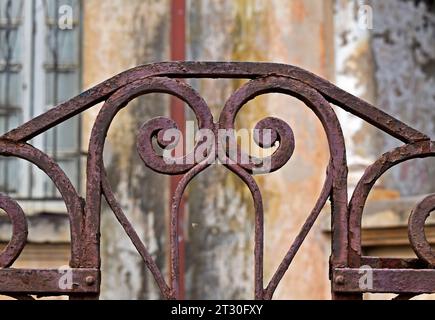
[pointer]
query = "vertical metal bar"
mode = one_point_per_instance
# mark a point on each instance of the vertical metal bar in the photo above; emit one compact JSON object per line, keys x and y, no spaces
{"x":178,"y":49}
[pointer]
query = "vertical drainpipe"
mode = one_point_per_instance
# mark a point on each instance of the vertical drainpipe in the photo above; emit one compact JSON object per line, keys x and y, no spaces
{"x":178,"y":53}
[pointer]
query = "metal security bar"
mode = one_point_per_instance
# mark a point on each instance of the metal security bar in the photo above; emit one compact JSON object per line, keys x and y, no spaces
{"x":405,"y":277}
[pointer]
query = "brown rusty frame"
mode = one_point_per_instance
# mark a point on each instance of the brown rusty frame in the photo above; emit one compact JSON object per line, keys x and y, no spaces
{"x":402,"y":276}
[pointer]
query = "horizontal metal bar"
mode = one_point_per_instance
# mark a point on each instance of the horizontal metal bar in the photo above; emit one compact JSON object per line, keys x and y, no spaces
{"x":10,"y":24}
{"x":9,"y":109}
{"x":246,"y":70}
{"x":384,"y":280}
{"x":61,"y":68}
{"x":10,"y":67}
{"x":40,"y":281}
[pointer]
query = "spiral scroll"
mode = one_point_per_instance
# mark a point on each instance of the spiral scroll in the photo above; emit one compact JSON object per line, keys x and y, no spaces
{"x":19,"y":231}
{"x":416,"y":229}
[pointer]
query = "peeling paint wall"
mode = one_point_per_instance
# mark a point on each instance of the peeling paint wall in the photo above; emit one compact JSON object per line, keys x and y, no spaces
{"x":355,"y":74}
{"x":220,"y":249}
{"x":219,"y":252}
{"x":404,"y":55}
{"x":119,"y":35}
{"x":391,"y":66}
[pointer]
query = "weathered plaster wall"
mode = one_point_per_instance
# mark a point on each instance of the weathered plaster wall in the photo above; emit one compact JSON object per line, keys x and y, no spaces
{"x":119,"y":35}
{"x":221,"y":245}
{"x":390,"y":65}
{"x":354,"y":70}
{"x":403,"y":45}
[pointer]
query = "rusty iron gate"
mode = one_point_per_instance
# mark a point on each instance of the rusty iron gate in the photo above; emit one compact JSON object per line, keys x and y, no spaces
{"x":405,"y":277}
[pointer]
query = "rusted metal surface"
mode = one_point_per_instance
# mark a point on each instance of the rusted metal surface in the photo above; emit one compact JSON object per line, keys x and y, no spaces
{"x":403,"y":276}
{"x":46,"y":282}
{"x":416,"y":230}
{"x":371,"y":175}
{"x":385,"y":281}
{"x":19,"y":231}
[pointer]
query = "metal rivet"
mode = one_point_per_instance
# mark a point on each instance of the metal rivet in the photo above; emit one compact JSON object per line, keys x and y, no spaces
{"x":339,"y":279}
{"x":90,"y":280}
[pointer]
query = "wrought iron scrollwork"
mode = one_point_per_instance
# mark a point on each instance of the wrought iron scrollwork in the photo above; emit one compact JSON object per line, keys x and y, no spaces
{"x":316,"y":93}
{"x":19,"y":231}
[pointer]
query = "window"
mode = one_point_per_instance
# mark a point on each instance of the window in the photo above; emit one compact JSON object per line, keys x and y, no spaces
{"x":39,"y":68}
